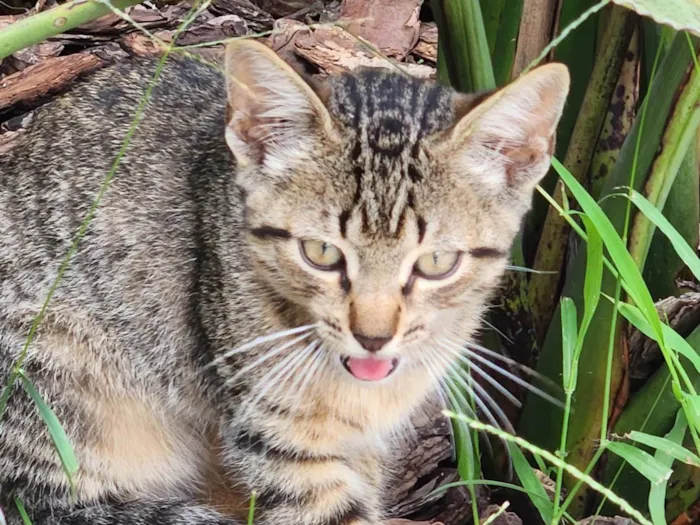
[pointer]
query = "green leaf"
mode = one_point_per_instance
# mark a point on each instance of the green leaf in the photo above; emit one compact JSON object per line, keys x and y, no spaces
{"x":684,"y":251}
{"x":624,"y":263}
{"x":667,"y":446}
{"x":679,"y":14}
{"x":58,"y":435}
{"x":663,"y":266}
{"x":657,"y":494}
{"x":569,"y":338}
{"x":594,"y":274}
{"x":531,"y":483}
{"x":644,"y":462}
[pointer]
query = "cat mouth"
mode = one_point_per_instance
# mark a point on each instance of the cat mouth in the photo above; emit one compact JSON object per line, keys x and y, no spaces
{"x":370,"y":368}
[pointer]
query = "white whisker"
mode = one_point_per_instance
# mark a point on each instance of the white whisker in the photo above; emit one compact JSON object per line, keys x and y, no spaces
{"x":265,"y":357}
{"x":279,"y":373}
{"x":508,"y":374}
{"x":475,"y":368}
{"x":260,"y":340}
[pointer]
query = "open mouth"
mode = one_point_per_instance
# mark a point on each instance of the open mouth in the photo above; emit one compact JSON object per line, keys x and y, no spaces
{"x":370,"y":368}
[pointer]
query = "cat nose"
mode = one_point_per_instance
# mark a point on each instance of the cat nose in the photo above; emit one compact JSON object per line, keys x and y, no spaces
{"x":371,"y":344}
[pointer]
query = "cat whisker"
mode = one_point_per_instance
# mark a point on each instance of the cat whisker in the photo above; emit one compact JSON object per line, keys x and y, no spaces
{"x":473,"y":367}
{"x":476,"y":391}
{"x":268,"y":355}
{"x":512,"y":362}
{"x":260,"y":340}
{"x":278,"y":375}
{"x":507,"y":374}
{"x":318,"y":360}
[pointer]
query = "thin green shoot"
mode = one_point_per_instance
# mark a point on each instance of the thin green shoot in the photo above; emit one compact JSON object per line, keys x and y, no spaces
{"x":251,"y":507}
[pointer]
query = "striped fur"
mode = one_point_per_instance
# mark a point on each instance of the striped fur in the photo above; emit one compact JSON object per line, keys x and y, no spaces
{"x":191,"y":354}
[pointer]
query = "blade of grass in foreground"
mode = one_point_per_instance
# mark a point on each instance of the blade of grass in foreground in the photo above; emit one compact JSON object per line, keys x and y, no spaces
{"x":58,"y":435}
{"x":657,"y":493}
{"x":531,"y":483}
{"x":551,"y":458}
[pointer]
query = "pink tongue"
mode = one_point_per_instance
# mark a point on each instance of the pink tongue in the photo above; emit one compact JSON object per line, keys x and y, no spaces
{"x":369,"y":368}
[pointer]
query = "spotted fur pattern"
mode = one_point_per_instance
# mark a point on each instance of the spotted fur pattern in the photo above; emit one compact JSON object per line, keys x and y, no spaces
{"x":159,"y":353}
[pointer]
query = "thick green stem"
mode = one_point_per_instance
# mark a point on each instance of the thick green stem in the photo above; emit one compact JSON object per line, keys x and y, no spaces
{"x":553,"y":240}
{"x":39,"y":27}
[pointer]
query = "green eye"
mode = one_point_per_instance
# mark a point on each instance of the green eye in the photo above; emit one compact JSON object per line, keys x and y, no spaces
{"x":321,"y":255}
{"x":437,"y":265}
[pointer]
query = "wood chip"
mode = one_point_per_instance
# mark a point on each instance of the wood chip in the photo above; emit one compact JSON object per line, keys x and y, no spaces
{"x":427,"y":46}
{"x":333,"y":50}
{"x":391,"y":25}
{"x":45,"y":77}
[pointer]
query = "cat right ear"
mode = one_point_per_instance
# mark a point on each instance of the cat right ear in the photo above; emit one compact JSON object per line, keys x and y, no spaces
{"x":273,"y":117}
{"x":506,"y":141}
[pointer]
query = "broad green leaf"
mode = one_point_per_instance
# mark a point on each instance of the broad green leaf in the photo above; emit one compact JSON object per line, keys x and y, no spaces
{"x":58,"y":435}
{"x":679,"y":14}
{"x":684,"y":251}
{"x":666,"y":446}
{"x":531,"y":483}
{"x":673,"y":339}
{"x":663,"y":266}
{"x":644,"y":462}
{"x":569,"y":337}
{"x":657,"y":494}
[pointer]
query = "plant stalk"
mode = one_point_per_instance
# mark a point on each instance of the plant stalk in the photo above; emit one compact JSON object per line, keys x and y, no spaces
{"x":36,"y":28}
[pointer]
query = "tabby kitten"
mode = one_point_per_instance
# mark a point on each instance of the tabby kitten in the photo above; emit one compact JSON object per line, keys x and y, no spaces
{"x":256,"y":321}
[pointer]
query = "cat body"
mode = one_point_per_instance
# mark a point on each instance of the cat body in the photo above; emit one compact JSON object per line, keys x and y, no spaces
{"x":274,"y":280}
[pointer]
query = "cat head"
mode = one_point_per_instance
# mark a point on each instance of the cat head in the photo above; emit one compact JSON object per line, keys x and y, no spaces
{"x":384,"y":207}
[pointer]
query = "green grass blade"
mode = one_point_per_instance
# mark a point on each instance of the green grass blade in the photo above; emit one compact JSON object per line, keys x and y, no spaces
{"x":569,"y":334}
{"x":531,"y":483}
{"x":251,"y":507}
{"x":667,"y":446}
{"x":22,"y":511}
{"x":593,"y":279}
{"x":657,"y":494}
{"x":58,"y":435}
{"x":617,"y":249}
{"x":644,"y":462}
{"x":684,"y":251}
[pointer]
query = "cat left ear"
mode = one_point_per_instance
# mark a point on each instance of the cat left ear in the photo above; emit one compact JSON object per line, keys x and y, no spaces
{"x":272,"y":114}
{"x":508,"y":139}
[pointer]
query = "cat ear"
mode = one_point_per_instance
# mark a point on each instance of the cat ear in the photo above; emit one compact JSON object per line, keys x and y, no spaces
{"x":273,"y":117}
{"x":508,"y":139}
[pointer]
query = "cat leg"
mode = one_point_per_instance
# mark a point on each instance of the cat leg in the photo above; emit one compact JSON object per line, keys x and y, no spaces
{"x":139,"y":512}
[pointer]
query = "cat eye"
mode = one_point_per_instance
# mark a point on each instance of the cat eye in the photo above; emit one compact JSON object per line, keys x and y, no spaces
{"x":437,"y":265}
{"x":321,"y":255}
